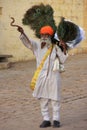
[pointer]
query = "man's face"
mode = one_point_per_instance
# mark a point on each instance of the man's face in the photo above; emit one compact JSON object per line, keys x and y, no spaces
{"x":46,"y":38}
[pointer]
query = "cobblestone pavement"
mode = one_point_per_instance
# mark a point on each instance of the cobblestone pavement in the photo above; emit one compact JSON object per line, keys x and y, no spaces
{"x":20,"y":111}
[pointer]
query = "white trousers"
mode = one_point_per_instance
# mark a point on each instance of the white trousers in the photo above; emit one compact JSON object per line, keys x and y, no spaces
{"x":45,"y":109}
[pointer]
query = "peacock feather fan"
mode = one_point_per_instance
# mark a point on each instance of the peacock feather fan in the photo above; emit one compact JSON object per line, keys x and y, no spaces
{"x":38,"y":16}
{"x":67,"y":31}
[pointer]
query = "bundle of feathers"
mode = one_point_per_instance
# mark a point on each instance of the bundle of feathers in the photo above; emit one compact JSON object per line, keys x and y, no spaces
{"x":38,"y":16}
{"x":41,"y":15}
{"x":70,"y":33}
{"x":67,"y":30}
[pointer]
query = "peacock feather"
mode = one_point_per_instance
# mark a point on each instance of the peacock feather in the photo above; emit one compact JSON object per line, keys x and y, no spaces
{"x":67,"y":31}
{"x":38,"y":16}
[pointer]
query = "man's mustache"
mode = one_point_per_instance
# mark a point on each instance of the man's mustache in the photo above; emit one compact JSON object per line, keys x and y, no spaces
{"x":44,"y":39}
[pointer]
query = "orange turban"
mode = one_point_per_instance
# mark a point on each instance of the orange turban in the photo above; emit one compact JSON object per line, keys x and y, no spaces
{"x":47,"y":30}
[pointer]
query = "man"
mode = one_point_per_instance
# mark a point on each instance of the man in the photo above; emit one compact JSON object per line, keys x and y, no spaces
{"x":47,"y":87}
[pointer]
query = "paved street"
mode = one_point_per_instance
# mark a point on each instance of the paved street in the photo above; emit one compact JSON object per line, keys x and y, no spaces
{"x":20,"y":111}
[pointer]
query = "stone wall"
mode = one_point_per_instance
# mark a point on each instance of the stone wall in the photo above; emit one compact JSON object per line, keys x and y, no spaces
{"x":10,"y":43}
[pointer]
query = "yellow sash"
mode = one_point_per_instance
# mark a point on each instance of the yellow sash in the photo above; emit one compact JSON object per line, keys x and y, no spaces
{"x":37,"y":72}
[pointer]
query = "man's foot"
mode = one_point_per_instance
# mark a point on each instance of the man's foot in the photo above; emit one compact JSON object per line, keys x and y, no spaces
{"x":56,"y":123}
{"x":45,"y":124}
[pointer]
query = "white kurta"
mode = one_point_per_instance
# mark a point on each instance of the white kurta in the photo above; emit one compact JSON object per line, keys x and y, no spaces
{"x":47,"y":86}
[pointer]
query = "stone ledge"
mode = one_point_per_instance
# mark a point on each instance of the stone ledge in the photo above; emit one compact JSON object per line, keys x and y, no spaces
{"x":5,"y":57}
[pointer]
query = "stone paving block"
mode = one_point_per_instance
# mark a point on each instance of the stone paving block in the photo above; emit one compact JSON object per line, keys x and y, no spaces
{"x":5,"y":65}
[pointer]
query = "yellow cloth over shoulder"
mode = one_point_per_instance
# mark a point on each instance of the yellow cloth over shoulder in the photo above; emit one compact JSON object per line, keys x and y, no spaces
{"x":38,"y":70}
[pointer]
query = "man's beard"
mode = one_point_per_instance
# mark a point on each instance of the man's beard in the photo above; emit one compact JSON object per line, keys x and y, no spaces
{"x":45,"y":41}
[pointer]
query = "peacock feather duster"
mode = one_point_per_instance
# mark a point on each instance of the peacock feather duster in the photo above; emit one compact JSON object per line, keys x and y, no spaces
{"x":67,"y":31}
{"x":70,"y":33}
{"x":38,"y":16}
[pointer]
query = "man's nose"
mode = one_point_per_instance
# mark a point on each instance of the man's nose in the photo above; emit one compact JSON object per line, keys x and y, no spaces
{"x":44,"y":36}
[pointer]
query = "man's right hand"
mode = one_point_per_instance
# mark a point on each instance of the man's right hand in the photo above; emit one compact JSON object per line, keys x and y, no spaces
{"x":20,"y":29}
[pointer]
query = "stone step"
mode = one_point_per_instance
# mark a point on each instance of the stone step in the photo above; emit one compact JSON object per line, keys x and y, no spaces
{"x":5,"y":57}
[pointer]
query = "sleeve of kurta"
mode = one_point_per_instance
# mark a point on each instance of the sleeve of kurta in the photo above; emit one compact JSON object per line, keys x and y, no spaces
{"x":62,"y":57}
{"x":28,"y":42}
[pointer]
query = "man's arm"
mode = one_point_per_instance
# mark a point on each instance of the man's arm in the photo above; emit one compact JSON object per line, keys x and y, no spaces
{"x":23,"y":37}
{"x":62,"y":57}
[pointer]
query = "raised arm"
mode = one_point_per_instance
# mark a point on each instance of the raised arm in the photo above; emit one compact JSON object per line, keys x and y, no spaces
{"x":23,"y":36}
{"x":25,"y":40}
